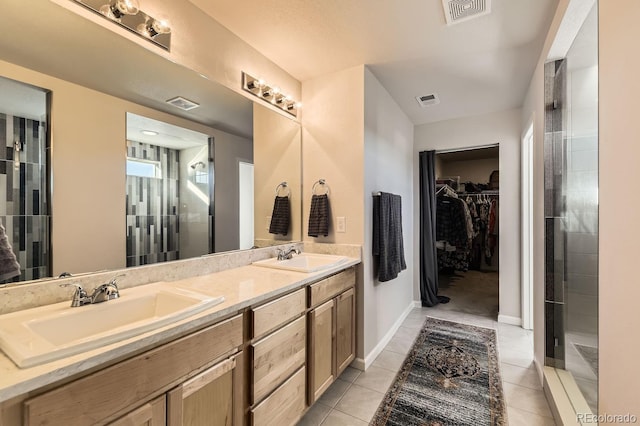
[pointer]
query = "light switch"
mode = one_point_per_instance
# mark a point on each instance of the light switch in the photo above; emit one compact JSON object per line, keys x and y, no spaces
{"x":341,"y":225}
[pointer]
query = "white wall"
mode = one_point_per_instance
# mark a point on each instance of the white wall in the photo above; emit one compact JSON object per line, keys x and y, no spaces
{"x":230,"y":150}
{"x":504,"y":128}
{"x":388,"y":167}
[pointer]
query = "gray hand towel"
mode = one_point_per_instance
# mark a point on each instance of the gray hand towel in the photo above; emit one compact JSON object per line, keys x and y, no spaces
{"x":9,"y":266}
{"x":388,"y":245}
{"x":319,"y":216}
{"x":281,"y":216}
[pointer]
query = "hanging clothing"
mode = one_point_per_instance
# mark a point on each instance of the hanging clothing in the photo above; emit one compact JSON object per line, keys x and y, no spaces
{"x":9,"y":266}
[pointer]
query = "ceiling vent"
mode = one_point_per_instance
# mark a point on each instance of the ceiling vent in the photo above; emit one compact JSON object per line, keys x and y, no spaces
{"x":461,"y":10}
{"x":183,"y":103}
{"x":428,"y":100}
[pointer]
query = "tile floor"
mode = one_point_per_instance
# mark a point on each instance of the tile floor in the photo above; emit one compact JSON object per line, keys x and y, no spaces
{"x":355,"y":395}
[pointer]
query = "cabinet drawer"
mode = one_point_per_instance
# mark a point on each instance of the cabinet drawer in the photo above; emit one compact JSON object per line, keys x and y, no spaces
{"x":273,"y":314}
{"x":332,"y":286}
{"x":283,"y":407}
{"x":276,"y":357}
{"x":92,"y":399}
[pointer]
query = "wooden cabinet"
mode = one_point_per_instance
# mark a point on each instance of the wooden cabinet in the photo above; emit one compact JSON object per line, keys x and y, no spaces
{"x":263,"y":366}
{"x":276,"y":357}
{"x":345,"y":330}
{"x":321,"y":349}
{"x":153,"y":413}
{"x":332,"y":328}
{"x":284,"y":407}
{"x":210,"y":398}
{"x":278,"y":354}
{"x":115,"y":390}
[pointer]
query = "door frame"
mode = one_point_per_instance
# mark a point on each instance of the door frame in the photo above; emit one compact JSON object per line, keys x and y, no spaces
{"x":527,"y":225}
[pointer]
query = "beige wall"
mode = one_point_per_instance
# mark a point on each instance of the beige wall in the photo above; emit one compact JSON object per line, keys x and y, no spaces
{"x":504,"y":128}
{"x":277,"y":155}
{"x":476,"y":171}
{"x":333,"y":146}
{"x":619,"y":295}
{"x":388,"y":163}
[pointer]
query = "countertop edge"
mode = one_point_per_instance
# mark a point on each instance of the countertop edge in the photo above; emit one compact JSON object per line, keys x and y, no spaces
{"x":85,"y":363}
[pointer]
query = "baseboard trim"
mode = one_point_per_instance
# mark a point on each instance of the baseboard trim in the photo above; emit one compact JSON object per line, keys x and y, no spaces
{"x":506,"y":319}
{"x":363,"y":364}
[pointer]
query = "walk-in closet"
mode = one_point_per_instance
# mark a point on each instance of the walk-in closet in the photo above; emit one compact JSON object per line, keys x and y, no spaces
{"x":467,"y":229}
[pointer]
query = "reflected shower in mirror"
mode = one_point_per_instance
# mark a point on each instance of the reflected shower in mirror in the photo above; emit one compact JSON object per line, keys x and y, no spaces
{"x":174,"y":210}
{"x":24,"y":198}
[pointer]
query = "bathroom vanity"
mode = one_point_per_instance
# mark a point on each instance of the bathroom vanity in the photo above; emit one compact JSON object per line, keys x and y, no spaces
{"x":261,"y":357}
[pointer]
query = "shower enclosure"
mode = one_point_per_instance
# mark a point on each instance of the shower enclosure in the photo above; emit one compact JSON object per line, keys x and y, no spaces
{"x":571,"y":217}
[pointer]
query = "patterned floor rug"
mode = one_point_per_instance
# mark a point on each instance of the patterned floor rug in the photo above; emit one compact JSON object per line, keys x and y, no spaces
{"x":451,"y":376}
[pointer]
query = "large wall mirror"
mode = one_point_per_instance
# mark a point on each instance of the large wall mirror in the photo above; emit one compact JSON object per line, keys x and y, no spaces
{"x":198,"y":182}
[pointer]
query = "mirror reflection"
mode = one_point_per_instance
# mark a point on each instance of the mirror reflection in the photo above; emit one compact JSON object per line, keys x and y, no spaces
{"x":91,"y":224}
{"x":24,"y":201}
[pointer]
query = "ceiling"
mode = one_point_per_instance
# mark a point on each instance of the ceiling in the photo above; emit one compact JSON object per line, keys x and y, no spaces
{"x":168,"y":135}
{"x":22,"y":100}
{"x":478,"y":66}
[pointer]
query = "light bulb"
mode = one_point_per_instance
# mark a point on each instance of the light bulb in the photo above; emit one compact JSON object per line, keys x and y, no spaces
{"x":153,"y":27}
{"x":119,"y":8}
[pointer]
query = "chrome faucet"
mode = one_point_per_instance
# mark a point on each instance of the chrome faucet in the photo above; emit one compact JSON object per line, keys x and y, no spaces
{"x":102,"y":293}
{"x":287,"y":254}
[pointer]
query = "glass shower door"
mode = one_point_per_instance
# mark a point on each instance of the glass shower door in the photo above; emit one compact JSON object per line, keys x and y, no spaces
{"x":571,"y":216}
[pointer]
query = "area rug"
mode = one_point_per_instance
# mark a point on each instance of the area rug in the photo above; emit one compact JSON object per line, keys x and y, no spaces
{"x":590,"y":355}
{"x":451,"y":376}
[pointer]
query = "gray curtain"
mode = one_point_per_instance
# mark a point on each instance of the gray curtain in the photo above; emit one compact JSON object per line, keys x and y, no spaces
{"x":428,"y":254}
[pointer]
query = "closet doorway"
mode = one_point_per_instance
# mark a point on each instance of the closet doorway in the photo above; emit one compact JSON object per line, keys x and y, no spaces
{"x":467,"y":229}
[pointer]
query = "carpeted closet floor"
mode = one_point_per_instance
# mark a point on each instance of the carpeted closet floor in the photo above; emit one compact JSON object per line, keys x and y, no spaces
{"x":472,"y":292}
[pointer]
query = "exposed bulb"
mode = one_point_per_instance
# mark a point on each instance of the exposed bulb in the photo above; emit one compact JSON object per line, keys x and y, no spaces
{"x":116,"y":10}
{"x":152,"y":27}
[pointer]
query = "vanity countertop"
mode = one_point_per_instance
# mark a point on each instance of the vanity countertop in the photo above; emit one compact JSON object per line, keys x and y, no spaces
{"x":241,"y":287}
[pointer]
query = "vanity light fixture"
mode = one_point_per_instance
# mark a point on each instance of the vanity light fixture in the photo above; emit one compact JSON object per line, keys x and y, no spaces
{"x":271,"y":94}
{"x":149,"y":132}
{"x":117,"y":9}
{"x":152,"y":27}
{"x":127,"y":14}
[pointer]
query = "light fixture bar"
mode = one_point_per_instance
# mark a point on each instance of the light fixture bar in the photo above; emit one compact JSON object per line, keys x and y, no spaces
{"x":270,"y":94}
{"x":126,"y":14}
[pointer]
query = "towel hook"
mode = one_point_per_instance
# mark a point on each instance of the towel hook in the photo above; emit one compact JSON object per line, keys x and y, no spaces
{"x":323,"y":183}
{"x":283,"y":185}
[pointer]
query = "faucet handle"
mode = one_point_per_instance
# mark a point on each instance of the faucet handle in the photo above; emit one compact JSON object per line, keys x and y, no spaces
{"x":114,"y":281}
{"x":79,"y":289}
{"x":80,"y":296}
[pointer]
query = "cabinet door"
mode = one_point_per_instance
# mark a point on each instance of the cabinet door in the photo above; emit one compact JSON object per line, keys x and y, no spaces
{"x":345,"y":330}
{"x":153,"y":413}
{"x":206,"y":399}
{"x":321,"y":370}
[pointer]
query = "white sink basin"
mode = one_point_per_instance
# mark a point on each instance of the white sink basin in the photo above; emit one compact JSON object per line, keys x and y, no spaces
{"x":306,"y":262}
{"x":47,"y":333}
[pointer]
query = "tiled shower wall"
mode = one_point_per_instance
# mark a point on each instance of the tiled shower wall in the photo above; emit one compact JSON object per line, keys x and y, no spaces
{"x":153,"y":228}
{"x":23,"y":195}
